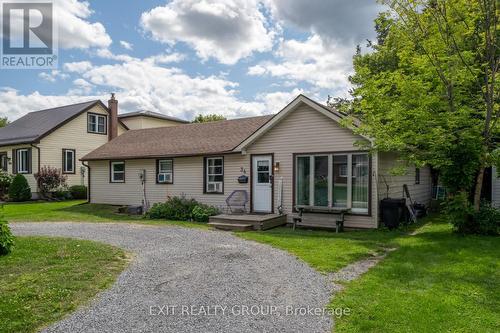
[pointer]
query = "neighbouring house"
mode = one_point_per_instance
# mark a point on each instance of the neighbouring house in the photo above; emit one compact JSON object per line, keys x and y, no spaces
{"x":148,"y":119}
{"x":59,"y":137}
{"x":299,"y":156}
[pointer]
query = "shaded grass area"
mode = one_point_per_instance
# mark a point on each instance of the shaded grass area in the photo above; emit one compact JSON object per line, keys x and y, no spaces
{"x":436,"y":281}
{"x":327,"y":251}
{"x":45,"y":278}
{"x":78,"y":211}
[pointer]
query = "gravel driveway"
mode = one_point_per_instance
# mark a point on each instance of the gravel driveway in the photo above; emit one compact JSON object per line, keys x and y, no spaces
{"x":190,"y":280}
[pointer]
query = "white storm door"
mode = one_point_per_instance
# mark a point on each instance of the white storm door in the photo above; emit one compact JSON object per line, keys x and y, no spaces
{"x":262,"y":183}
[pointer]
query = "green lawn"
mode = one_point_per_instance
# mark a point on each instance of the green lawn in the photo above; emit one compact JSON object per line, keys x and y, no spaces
{"x":45,"y":278}
{"x":78,"y":211}
{"x":435,"y":281}
{"x":327,"y":251}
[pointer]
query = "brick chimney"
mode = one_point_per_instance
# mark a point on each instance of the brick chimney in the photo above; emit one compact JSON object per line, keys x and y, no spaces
{"x":113,"y":117}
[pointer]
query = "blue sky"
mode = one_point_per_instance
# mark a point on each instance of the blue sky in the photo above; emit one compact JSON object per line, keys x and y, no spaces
{"x":181,"y":58}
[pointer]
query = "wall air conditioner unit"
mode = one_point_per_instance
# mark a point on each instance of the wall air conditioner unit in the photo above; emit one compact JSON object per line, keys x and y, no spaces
{"x":214,"y":187}
{"x":164,"y":178}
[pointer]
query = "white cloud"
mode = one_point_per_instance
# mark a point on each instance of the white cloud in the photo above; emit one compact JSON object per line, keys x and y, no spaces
{"x":325,"y":66}
{"x":166,"y":58}
{"x":226,"y":31}
{"x":78,"y":66}
{"x":126,"y":45}
{"x":53,"y":75}
{"x":347,"y":22}
{"x":276,"y":101}
{"x":82,"y":87}
{"x":75,"y":30}
{"x":14,"y":105}
{"x":171,"y":91}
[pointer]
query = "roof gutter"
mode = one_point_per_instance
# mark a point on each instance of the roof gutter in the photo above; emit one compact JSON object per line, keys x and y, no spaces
{"x":88,"y":183}
{"x":38,"y":166}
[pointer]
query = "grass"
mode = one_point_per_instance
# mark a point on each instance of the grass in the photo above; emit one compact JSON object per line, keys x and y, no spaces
{"x":436,"y":281}
{"x":326,"y":251}
{"x":45,"y":278}
{"x":78,"y":211}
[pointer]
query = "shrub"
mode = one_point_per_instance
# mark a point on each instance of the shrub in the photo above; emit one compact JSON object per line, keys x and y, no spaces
{"x":49,"y":179}
{"x":61,"y":194}
{"x":78,"y":191}
{"x":461,"y":215}
{"x":202,"y":212}
{"x":6,"y":238}
{"x":5,"y":181}
{"x":487,"y":220}
{"x":181,"y":209}
{"x":19,"y":190}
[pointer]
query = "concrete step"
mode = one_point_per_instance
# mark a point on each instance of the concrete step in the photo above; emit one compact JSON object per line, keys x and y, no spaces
{"x":231,"y":226}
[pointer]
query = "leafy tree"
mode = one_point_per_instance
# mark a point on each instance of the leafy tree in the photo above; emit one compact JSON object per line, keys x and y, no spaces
{"x":208,"y":118}
{"x":428,"y":88}
{"x":4,"y":121}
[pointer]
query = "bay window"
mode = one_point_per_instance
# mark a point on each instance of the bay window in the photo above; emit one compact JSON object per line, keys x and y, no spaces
{"x":333,"y":181}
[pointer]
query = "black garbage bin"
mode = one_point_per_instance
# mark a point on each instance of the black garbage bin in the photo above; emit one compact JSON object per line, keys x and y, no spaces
{"x":393,"y":211}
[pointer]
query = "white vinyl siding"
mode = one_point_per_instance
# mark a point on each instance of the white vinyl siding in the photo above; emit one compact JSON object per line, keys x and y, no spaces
{"x":391,"y":185}
{"x":306,"y":131}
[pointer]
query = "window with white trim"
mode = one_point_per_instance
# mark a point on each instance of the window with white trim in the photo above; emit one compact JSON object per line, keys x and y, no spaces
{"x":333,"y":180}
{"x":214,"y":178}
{"x":117,"y":172}
{"x":96,"y":123}
{"x":165,"y":171}
{"x":22,"y":160}
{"x":68,"y":161}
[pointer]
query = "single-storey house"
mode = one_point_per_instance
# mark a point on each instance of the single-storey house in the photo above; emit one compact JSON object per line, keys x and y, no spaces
{"x":59,"y":137}
{"x":299,"y":156}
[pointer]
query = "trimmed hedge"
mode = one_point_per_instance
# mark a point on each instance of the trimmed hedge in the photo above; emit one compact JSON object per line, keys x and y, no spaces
{"x":19,"y":190}
{"x":78,"y":191}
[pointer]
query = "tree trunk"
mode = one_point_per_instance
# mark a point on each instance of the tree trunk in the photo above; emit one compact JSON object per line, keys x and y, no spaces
{"x":478,"y":189}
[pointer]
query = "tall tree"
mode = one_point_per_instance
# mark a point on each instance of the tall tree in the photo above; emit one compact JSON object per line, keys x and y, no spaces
{"x":429,"y":87}
{"x":208,"y":118}
{"x":3,"y":121}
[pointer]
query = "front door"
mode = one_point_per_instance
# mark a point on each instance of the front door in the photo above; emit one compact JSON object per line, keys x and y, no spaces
{"x":262,"y":183}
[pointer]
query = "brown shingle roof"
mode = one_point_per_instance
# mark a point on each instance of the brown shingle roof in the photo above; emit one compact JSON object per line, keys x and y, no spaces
{"x":182,"y":140}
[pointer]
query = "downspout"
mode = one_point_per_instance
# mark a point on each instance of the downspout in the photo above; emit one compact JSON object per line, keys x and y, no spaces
{"x":38,"y":167}
{"x":88,"y":181}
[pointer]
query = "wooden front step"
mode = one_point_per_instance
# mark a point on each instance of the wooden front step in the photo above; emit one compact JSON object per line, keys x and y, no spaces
{"x":231,"y":226}
{"x":259,"y":222}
